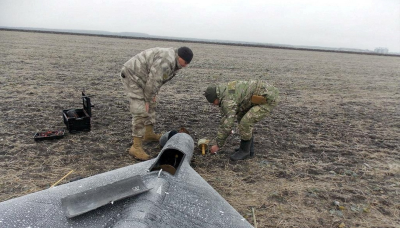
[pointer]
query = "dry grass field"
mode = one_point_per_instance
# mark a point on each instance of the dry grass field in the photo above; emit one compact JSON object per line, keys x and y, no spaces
{"x":327,"y":156}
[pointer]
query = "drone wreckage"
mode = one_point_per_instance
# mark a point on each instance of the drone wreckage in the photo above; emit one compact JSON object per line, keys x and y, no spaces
{"x":161,"y":192}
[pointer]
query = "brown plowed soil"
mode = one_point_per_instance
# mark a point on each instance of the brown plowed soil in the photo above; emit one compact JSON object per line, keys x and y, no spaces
{"x":328,"y":155}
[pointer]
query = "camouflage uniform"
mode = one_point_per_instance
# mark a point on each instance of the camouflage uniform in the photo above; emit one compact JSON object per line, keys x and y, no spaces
{"x":142,"y":77}
{"x":235,"y":103}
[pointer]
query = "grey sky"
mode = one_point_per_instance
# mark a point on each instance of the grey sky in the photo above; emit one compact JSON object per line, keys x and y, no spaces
{"x":362,"y":24}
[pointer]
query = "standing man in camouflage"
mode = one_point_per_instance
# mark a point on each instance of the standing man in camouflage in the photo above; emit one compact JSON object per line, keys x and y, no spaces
{"x":142,"y":77}
{"x":247,"y":102}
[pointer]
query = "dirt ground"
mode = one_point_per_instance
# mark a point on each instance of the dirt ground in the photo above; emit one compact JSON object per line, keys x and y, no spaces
{"x":327,"y":156}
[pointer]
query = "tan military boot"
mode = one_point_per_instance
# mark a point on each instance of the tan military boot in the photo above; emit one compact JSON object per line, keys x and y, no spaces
{"x":150,"y":136}
{"x":137,"y":150}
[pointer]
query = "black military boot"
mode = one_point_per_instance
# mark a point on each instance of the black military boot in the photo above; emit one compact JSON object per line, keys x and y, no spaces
{"x":243,"y":152}
{"x":251,"y":148}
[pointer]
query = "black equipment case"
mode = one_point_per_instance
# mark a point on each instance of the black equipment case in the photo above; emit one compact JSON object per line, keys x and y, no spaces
{"x":79,"y":119}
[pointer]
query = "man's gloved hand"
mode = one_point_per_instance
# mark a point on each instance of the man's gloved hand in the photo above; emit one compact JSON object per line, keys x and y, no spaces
{"x":258,"y":100}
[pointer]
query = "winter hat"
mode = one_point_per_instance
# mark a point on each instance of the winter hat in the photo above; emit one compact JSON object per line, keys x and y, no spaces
{"x":185,"y":53}
{"x":211,"y":94}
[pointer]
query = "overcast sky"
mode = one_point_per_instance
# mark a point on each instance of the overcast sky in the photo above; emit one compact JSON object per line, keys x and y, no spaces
{"x":362,"y":24}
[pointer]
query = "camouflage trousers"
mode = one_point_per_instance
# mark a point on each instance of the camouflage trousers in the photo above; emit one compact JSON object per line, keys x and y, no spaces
{"x":248,"y":118}
{"x":135,"y":95}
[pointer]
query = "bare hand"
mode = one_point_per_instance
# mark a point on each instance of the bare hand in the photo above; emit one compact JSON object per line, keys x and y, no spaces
{"x":214,"y":149}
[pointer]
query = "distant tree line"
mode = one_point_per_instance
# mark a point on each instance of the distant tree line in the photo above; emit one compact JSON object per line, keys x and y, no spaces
{"x":215,"y":42}
{"x":381,"y":50}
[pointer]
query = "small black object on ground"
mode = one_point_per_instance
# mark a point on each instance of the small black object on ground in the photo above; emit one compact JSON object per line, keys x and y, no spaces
{"x":79,"y":119}
{"x":43,"y":135}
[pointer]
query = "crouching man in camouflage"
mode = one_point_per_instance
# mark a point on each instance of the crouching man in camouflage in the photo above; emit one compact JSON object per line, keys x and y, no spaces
{"x":142,"y":77}
{"x":246,"y":101}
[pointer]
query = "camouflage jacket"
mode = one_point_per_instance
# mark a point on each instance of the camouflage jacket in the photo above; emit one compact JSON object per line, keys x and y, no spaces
{"x":152,"y":68}
{"x":235,"y":97}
